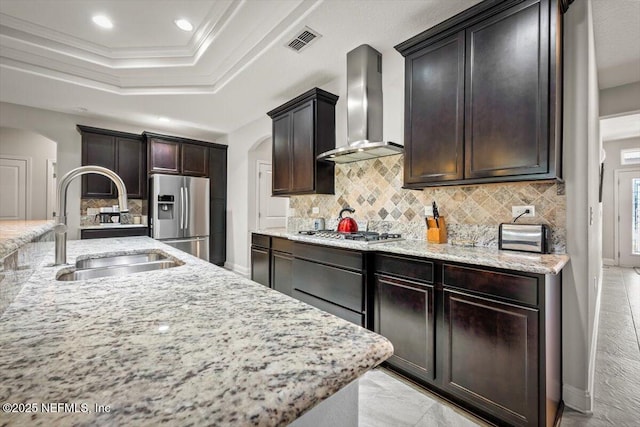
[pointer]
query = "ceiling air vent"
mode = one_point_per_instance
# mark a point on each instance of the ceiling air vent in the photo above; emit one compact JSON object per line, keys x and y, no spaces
{"x":302,"y":39}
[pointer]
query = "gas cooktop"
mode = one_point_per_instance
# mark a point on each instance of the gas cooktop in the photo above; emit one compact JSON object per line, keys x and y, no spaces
{"x":360,"y":236}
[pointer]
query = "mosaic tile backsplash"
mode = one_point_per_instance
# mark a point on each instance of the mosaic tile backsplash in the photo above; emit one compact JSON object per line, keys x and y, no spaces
{"x":136,"y":207}
{"x":473,"y":212}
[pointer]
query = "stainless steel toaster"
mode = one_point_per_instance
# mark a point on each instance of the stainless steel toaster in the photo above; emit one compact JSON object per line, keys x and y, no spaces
{"x":524,"y":237}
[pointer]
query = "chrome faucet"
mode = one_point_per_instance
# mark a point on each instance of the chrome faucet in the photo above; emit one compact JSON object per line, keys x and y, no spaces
{"x":61,"y":227}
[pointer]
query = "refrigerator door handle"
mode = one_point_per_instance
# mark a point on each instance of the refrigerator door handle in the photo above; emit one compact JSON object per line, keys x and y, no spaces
{"x":181,"y":208}
{"x":187,"y":209}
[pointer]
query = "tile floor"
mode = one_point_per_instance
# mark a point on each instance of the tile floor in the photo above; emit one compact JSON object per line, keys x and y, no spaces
{"x":386,"y":400}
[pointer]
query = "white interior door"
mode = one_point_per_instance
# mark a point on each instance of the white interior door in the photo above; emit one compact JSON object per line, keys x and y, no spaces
{"x":272,"y":211}
{"x":13,"y":188}
{"x":629,"y":218}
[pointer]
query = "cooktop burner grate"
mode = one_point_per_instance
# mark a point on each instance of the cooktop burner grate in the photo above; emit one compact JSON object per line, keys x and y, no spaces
{"x":360,"y":236}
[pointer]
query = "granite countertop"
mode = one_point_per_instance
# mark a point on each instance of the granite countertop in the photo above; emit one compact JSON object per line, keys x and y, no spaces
{"x":111,"y":225}
{"x":194,"y":344}
{"x":484,"y":256}
{"x":14,"y":234}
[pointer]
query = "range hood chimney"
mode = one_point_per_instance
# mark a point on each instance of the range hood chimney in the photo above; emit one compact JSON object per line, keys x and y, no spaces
{"x":364,"y":110}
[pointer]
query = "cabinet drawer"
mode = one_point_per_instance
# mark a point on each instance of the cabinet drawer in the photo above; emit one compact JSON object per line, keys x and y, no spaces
{"x":338,"y":257}
{"x":336,"y":310}
{"x":405,"y":267}
{"x":339,"y":286}
{"x":512,"y":287}
{"x":281,"y":244}
{"x":260,"y":240}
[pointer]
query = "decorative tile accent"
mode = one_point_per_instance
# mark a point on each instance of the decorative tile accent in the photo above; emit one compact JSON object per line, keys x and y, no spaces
{"x":473,"y":212}
{"x":136,"y":207}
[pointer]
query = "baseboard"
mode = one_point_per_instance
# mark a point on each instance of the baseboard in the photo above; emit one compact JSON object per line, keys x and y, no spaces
{"x":238,"y":269}
{"x":608,"y":261}
{"x":577,"y":399}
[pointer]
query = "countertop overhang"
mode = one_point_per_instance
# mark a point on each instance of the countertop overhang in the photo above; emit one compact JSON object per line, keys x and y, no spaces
{"x":194,"y":344}
{"x":483,"y":256}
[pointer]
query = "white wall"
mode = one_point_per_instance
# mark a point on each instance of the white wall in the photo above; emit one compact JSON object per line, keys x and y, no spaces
{"x":239,"y":222}
{"x":61,"y":128}
{"x":620,"y":99}
{"x":581,"y":163}
{"x":18,"y":142}
{"x":611,"y":163}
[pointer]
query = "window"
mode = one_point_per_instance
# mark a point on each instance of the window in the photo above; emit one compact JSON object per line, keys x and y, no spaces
{"x":630,"y":156}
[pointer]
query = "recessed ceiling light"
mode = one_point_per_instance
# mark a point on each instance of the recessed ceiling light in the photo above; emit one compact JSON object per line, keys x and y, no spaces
{"x":164,"y":119}
{"x":102,"y":21}
{"x":183,"y":24}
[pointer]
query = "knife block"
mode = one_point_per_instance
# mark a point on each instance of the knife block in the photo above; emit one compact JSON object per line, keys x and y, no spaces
{"x":436,"y":233}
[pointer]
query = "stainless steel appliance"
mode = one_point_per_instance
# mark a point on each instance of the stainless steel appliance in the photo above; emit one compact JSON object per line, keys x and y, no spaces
{"x":364,"y":110}
{"x":360,"y":236}
{"x":180,"y":213}
{"x":524,"y":237}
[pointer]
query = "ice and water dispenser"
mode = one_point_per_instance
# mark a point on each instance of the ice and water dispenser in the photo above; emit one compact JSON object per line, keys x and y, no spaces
{"x":166,"y":206}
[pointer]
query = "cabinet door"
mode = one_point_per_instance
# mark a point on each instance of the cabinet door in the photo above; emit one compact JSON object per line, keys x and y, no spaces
{"x":164,"y":156}
{"x":132,"y":166}
{"x":507,"y":93}
{"x":434,"y":122}
{"x":281,"y":272}
{"x":404,"y":315}
{"x":98,"y":150}
{"x":195,"y":160}
{"x":303,"y":159}
{"x":491,"y":356}
{"x":281,"y":154}
{"x":260,"y":266}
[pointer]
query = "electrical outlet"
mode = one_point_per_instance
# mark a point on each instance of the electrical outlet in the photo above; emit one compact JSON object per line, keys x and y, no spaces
{"x":428,"y":211}
{"x":519,"y":210}
{"x":315,"y":210}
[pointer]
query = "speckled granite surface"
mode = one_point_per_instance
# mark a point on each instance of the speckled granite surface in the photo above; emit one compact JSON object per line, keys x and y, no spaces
{"x":14,"y":234}
{"x":190,"y":345}
{"x":489,"y":257}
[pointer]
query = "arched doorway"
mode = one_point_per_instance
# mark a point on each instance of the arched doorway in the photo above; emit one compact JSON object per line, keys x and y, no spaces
{"x":265,"y":211}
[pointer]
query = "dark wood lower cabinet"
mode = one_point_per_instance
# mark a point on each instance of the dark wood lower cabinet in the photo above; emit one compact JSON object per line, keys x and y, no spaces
{"x":282,"y":265}
{"x":404,"y":314}
{"x":486,"y":339}
{"x":490,"y":356}
{"x":260,"y":271}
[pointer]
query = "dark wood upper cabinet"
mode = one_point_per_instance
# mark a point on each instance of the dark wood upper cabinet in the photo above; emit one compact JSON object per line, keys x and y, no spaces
{"x":177,"y":156}
{"x":123,"y":153}
{"x":195,"y":160}
{"x":132,"y":166}
{"x":281,"y":158}
{"x":482,"y":101}
{"x":164,"y":156}
{"x":434,"y":126}
{"x":507,"y":94}
{"x":303,"y":128}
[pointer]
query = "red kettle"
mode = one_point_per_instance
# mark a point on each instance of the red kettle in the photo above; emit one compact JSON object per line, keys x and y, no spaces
{"x":347,"y":225}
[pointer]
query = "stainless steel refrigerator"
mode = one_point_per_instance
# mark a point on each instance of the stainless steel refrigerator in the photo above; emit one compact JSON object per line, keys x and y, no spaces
{"x":180,"y":213}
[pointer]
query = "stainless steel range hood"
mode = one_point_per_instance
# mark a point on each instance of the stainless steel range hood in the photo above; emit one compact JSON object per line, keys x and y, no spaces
{"x":364,"y":110}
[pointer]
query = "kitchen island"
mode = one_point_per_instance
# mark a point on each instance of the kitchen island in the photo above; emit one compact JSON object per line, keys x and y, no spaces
{"x":193,"y":344}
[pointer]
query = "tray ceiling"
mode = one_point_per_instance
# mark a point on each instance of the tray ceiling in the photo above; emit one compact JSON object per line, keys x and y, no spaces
{"x":233,"y":66}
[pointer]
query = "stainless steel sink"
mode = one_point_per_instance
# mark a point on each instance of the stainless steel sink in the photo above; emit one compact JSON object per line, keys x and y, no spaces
{"x":116,"y":270}
{"x":118,"y":265}
{"x":114,"y":260}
